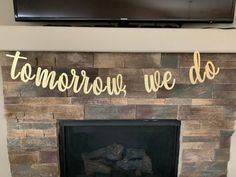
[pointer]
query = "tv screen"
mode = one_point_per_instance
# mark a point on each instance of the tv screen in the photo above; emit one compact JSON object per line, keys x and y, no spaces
{"x":130,"y":10}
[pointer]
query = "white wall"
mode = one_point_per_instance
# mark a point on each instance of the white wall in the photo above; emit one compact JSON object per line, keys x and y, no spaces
{"x":232,"y":162}
{"x":4,"y":162}
{"x":7,"y":13}
{"x":117,"y":39}
{"x":107,"y":39}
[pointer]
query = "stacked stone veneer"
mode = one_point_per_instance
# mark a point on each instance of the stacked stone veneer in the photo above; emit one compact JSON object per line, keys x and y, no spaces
{"x":207,"y":111}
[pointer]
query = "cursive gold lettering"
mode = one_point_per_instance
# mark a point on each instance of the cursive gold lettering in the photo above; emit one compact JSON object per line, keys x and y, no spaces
{"x":195,"y":71}
{"x":44,"y":78}
{"x":153,"y":82}
{"x":26,"y":73}
{"x":16,"y":57}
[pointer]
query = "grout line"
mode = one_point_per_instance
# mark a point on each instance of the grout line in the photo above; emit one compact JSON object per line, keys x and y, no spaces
{"x":84,"y":110}
{"x":37,"y":62}
{"x":178,"y":110}
{"x":55,"y":61}
{"x":136,"y":111}
{"x":161,"y":60}
{"x":93,"y":54}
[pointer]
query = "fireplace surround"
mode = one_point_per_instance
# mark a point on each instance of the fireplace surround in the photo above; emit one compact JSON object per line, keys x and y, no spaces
{"x":135,"y":139}
{"x":206,"y":111}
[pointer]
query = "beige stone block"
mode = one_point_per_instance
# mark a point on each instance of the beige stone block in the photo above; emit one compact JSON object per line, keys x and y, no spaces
{"x":213,"y":124}
{"x":50,"y":132}
{"x":24,"y":158}
{"x":119,"y":101}
{"x":44,"y":108}
{"x":79,"y":115}
{"x":201,"y":113}
{"x":34,"y":115}
{"x":146,"y":101}
{"x":16,"y":133}
{"x":213,"y":102}
{"x":12,"y":89}
{"x":34,"y":133}
{"x":143,"y":60}
{"x":110,"y":112}
{"x":196,"y":155}
{"x":12,"y":116}
{"x":177,"y":101}
{"x":45,"y":169}
{"x":202,"y":102}
{"x":109,"y":60}
{"x":156,"y":112}
{"x":201,"y":132}
{"x":190,"y":125}
{"x":97,"y":100}
{"x":126,"y":72}
{"x":200,"y":145}
{"x":74,"y":60}
{"x":45,"y":100}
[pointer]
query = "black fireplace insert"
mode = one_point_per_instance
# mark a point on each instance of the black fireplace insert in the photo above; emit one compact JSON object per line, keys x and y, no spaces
{"x":119,"y":148}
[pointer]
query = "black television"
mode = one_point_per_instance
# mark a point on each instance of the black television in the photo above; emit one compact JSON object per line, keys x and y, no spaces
{"x":125,"y":10}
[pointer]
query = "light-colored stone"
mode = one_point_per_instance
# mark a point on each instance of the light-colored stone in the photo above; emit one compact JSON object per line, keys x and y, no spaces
{"x":108,"y":60}
{"x":146,"y":101}
{"x":156,"y":112}
{"x":24,"y":158}
{"x":201,"y":113}
{"x":200,"y":145}
{"x":197,"y":155}
{"x":34,"y":133}
{"x":119,"y":101}
{"x":110,"y":112}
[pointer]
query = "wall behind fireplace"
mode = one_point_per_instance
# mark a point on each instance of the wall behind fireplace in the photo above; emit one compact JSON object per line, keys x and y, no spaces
{"x":7,"y":18}
{"x":25,"y":104}
{"x":232,"y":162}
{"x":4,"y":162}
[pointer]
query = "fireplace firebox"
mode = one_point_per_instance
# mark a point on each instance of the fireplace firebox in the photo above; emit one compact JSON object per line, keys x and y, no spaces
{"x":119,"y":148}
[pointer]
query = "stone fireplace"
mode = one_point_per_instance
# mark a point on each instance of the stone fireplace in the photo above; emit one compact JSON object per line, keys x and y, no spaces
{"x":145,"y":148}
{"x":206,"y":111}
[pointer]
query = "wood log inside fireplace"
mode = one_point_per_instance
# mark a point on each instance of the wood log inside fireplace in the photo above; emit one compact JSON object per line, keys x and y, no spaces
{"x":117,"y":160}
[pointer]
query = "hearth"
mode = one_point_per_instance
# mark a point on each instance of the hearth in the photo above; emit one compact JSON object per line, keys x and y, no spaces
{"x":119,"y":148}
